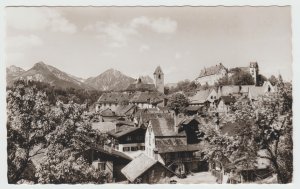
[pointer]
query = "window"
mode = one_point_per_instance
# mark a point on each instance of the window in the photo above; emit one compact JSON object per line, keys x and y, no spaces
{"x":126,"y":149}
{"x":134,"y":148}
{"x":211,"y":97}
{"x":159,"y":76}
{"x":142,"y":147}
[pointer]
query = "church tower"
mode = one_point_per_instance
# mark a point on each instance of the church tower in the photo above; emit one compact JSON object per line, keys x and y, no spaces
{"x":159,"y":79}
{"x":254,"y":71}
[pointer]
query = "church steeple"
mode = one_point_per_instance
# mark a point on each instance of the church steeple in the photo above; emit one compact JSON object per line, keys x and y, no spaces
{"x":159,"y":79}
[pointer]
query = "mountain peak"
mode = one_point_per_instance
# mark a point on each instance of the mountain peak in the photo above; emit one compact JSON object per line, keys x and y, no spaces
{"x":15,"y":69}
{"x":40,"y":63}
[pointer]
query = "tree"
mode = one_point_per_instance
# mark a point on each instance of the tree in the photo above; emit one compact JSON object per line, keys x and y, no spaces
{"x":28,"y":120}
{"x":178,"y":102}
{"x":273,"y":80}
{"x":72,"y":136}
{"x":260,"y":80}
{"x":238,"y":77}
{"x":269,"y":123}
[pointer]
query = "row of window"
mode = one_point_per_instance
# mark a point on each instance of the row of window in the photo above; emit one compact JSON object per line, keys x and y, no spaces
{"x":139,"y":138}
{"x":133,"y":148}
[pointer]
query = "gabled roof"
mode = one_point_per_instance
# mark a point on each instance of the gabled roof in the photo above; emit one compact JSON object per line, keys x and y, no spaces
{"x":158,"y":70}
{"x":113,"y":97}
{"x":107,"y":113}
{"x":124,"y":110}
{"x":141,"y":87}
{"x":147,"y":97}
{"x":138,"y":166}
{"x":104,"y":126}
{"x":122,"y":131}
{"x":201,"y":96}
{"x":211,"y":70}
{"x":108,"y":151}
{"x":228,"y":89}
{"x":164,"y":126}
{"x":194,"y":108}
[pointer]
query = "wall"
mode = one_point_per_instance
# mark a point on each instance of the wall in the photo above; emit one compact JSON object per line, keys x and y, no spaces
{"x":156,"y":174}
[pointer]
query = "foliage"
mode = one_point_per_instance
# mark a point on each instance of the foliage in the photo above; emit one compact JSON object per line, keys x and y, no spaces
{"x":265,"y":125}
{"x":178,"y":102}
{"x":273,"y":80}
{"x":35,"y":127}
{"x":28,"y":120}
{"x":72,"y":135}
{"x":239,"y":77}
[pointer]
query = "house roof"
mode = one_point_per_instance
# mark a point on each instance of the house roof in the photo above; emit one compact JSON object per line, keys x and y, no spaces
{"x":194,"y":108}
{"x":108,"y":151}
{"x":164,"y":126}
{"x":175,"y":144}
{"x":124,"y":110}
{"x":200,"y":97}
{"x":103,"y":126}
{"x":107,"y":113}
{"x":211,"y":70}
{"x":141,"y":87}
{"x":113,"y":97}
{"x":257,"y":91}
{"x":147,"y":97}
{"x":228,"y":89}
{"x":122,"y":131}
{"x":138,"y":166}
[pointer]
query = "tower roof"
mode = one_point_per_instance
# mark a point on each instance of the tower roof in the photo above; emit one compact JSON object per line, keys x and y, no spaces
{"x":158,"y":70}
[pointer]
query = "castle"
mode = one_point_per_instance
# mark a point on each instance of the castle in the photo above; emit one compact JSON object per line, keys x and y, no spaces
{"x":211,"y":75}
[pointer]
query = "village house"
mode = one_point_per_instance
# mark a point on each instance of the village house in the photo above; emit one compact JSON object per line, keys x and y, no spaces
{"x":147,"y":100}
{"x":202,"y":101}
{"x":111,"y":100}
{"x":144,"y":169}
{"x":127,"y":138}
{"x":167,"y":142}
{"x":106,"y":159}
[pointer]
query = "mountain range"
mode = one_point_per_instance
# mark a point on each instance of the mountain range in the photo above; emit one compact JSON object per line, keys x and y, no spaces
{"x":110,"y":79}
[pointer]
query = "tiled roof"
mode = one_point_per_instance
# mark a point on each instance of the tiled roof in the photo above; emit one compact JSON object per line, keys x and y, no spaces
{"x":167,"y":145}
{"x":104,"y":126}
{"x":107,"y":113}
{"x":194,"y":108}
{"x":124,"y":110}
{"x":113,"y":97}
{"x":164,"y":126}
{"x":109,"y":151}
{"x":141,"y":87}
{"x":122,"y":131}
{"x":228,"y":89}
{"x":211,"y":70}
{"x":200,"y":96}
{"x":137,"y":167}
{"x":147,"y":97}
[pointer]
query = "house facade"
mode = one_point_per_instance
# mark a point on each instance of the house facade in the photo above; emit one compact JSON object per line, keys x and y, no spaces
{"x":168,"y":144}
{"x":127,"y":139}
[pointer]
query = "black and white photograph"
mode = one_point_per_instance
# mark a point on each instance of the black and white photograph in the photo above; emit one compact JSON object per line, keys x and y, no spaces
{"x":148,"y":95}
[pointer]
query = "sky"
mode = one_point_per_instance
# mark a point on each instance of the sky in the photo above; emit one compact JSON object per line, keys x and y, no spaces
{"x":86,"y":41}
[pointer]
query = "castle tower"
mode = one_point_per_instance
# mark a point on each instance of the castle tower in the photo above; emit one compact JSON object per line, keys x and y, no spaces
{"x":159,"y":79}
{"x":254,"y":71}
